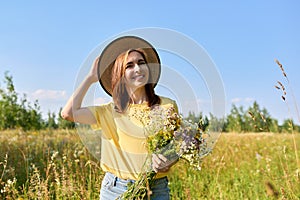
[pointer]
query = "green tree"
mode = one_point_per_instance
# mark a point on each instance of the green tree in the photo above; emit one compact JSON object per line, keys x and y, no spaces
{"x":274,"y":127}
{"x":51,"y":122}
{"x":254,"y":119}
{"x":8,"y":104}
{"x":257,"y":119}
{"x":288,"y":126}
{"x":15,"y":112}
{"x":234,"y":121}
{"x":216,"y":124}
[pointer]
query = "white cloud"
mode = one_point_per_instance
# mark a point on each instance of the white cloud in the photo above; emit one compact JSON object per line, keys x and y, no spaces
{"x":203,"y":101}
{"x":236,"y":100}
{"x":242,"y":100}
{"x":42,"y":94}
{"x":249,"y":99}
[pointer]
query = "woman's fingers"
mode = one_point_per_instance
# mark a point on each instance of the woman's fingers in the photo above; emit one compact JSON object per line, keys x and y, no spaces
{"x":94,"y":70}
{"x":162,"y":158}
{"x":160,"y":163}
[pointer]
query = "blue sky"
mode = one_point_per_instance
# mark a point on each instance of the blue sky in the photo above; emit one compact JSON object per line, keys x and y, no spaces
{"x":43,"y":44}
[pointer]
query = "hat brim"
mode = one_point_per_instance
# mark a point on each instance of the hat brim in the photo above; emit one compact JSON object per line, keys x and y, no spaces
{"x":120,"y":45}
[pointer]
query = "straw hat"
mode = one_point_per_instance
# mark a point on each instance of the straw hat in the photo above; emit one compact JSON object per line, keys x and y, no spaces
{"x":120,"y":45}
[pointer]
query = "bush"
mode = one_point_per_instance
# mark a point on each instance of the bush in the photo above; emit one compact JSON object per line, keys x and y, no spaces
{"x":17,"y":113}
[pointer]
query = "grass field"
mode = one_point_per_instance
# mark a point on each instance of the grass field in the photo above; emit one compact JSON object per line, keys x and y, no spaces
{"x":56,"y":165}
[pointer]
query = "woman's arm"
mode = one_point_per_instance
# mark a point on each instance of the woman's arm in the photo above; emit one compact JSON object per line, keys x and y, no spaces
{"x":73,"y":111}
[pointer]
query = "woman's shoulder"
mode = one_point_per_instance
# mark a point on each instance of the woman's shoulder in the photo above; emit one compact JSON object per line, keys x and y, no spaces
{"x":166,"y":100}
{"x":105,"y":106}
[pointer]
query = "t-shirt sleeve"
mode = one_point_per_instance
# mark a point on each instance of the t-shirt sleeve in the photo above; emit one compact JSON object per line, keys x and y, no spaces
{"x":96,"y":110}
{"x":104,"y":119}
{"x":102,"y":114}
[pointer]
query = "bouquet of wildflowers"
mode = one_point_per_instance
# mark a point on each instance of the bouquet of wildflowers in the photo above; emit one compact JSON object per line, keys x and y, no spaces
{"x":173,"y":137}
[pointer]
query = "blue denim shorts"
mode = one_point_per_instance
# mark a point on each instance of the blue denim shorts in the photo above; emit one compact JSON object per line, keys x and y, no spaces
{"x":112,"y":187}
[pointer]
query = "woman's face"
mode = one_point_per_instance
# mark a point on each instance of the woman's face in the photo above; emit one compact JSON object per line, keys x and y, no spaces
{"x":136,"y":71}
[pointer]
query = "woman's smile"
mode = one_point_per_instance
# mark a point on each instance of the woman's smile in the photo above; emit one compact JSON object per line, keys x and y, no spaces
{"x":138,"y":77}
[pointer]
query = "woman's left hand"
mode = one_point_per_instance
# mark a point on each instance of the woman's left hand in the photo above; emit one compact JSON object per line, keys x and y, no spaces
{"x":160,"y":163}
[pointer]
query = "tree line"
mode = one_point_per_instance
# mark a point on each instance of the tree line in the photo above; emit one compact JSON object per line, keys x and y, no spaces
{"x":17,"y":113}
{"x":239,"y":120}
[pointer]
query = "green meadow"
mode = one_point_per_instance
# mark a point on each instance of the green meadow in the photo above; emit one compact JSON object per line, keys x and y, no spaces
{"x":54,"y":164}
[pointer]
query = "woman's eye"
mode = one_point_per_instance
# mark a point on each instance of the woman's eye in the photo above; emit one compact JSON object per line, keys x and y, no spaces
{"x":129,"y":66}
{"x":142,"y":62}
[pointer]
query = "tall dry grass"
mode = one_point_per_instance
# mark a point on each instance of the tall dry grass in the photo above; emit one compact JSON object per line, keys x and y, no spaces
{"x":294,"y":102}
{"x":47,"y":165}
{"x":242,"y":166}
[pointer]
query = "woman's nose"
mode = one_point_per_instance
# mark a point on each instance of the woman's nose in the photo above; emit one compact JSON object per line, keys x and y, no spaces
{"x":137,"y":68}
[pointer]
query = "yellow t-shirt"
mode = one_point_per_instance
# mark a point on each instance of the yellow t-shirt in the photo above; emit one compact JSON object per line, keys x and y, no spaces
{"x":123,"y":141}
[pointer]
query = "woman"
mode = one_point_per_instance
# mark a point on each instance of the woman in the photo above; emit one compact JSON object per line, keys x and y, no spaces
{"x":128,"y":70}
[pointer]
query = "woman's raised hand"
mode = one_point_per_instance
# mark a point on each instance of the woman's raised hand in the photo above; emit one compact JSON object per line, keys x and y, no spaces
{"x":93,"y":74}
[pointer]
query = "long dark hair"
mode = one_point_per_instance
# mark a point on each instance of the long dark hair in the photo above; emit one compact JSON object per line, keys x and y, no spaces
{"x":120,"y":95}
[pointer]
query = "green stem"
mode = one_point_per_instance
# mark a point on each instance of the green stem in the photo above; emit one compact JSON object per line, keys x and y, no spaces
{"x":140,"y":188}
